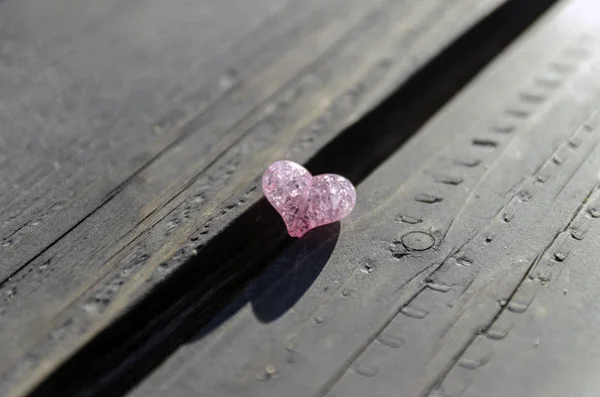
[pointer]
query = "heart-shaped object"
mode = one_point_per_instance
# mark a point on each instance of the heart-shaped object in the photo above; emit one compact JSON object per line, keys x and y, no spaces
{"x":305,"y":201}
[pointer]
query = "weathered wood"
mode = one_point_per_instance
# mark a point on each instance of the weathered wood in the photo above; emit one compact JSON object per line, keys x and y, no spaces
{"x":189,"y":296}
{"x":366,"y":311}
{"x":145,"y":140}
{"x":92,"y":92}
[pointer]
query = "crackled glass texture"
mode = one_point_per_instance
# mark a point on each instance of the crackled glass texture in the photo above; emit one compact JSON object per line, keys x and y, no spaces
{"x":305,"y":201}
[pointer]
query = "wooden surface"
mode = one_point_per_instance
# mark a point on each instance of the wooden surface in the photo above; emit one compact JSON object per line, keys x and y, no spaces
{"x":132,"y":139}
{"x":129,"y":128}
{"x":427,"y":289}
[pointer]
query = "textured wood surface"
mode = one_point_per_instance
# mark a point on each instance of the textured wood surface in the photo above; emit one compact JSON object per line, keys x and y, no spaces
{"x":132,"y":133}
{"x":468,"y":267}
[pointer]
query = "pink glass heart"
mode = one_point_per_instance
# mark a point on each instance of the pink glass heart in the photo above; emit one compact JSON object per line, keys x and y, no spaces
{"x":305,"y":201}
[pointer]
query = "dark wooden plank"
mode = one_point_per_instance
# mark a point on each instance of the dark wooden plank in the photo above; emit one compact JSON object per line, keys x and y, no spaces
{"x":80,"y":124}
{"x":91,"y":92}
{"x":82,"y":246}
{"x":363,"y":311}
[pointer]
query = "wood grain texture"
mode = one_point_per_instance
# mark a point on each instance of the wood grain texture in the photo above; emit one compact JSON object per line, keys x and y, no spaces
{"x":130,"y":137}
{"x":88,"y":91}
{"x":383,"y":314}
